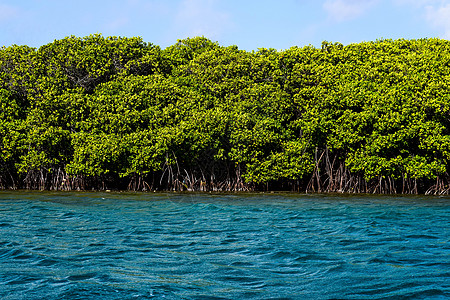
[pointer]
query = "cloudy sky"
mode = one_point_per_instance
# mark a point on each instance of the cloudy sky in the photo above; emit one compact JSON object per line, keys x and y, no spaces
{"x":249,"y":24}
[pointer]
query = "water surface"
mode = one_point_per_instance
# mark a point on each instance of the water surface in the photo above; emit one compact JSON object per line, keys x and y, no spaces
{"x":191,"y":246}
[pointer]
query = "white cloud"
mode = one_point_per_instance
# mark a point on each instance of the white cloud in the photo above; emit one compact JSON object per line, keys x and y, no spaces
{"x":344,"y":10}
{"x":420,"y":3}
{"x":201,"y":17}
{"x":439,"y":18}
{"x":435,"y":12}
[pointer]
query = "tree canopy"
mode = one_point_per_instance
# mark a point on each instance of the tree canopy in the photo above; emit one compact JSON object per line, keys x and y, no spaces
{"x":119,"y":113}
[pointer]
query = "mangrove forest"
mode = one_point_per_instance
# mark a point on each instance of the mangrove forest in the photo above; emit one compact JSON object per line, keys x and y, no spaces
{"x":100,"y":113}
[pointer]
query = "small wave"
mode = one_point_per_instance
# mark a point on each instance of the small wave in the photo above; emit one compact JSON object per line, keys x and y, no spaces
{"x":351,"y":242}
{"x":432,"y":293}
{"x":242,"y":264}
{"x":283,"y":255}
{"x":11,"y":253}
{"x":408,"y":290}
{"x":6,"y":225}
{"x":22,"y":280}
{"x":243,"y":280}
{"x":82,"y":276}
{"x":47,"y":262}
{"x":422,"y":236}
{"x":193,"y":247}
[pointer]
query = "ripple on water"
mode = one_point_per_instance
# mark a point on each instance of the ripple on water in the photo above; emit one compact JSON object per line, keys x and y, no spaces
{"x":46,"y":262}
{"x":140,"y":246}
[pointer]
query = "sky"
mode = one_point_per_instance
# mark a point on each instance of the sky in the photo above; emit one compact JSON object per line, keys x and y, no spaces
{"x":248,"y":24}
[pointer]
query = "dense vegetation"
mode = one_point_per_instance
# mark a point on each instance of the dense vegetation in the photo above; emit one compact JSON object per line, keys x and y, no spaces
{"x":102,"y":113}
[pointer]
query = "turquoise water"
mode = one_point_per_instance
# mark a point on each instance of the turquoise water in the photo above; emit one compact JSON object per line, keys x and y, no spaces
{"x":187,"y":246}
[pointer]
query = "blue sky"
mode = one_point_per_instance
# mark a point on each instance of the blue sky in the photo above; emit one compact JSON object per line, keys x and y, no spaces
{"x":249,"y":24}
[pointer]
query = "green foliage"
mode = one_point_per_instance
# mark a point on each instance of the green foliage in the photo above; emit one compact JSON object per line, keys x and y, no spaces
{"x":201,"y":116}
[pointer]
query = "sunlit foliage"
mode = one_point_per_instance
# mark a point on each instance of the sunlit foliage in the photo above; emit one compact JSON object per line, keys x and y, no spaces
{"x":96,"y":112}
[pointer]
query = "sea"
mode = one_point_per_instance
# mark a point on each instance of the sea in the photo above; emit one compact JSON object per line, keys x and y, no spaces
{"x":121,"y":245}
